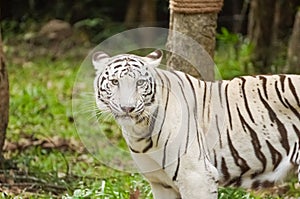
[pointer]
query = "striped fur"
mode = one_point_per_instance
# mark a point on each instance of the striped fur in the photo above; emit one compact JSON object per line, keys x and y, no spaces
{"x":189,"y":136}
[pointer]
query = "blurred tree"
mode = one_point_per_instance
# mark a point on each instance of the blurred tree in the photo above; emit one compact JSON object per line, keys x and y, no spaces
{"x":4,"y":101}
{"x":234,"y":16}
{"x":293,"y":60}
{"x":260,"y":33}
{"x":198,"y":20}
{"x":285,"y":11}
{"x":269,"y":27}
{"x":141,"y":12}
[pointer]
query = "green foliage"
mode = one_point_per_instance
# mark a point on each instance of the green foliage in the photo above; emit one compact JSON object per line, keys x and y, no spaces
{"x":234,"y":193}
{"x":120,"y":187}
{"x":18,"y":30}
{"x":232,"y":55}
{"x":100,"y":28}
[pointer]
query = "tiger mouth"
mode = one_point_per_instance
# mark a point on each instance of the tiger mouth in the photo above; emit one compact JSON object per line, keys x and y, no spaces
{"x":129,"y":116}
{"x":125,"y":116}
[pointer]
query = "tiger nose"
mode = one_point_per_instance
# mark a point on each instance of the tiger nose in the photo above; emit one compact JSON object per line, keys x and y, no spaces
{"x":127,"y":109}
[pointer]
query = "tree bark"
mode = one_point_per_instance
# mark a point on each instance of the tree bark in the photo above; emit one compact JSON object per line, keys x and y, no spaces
{"x":4,"y":100}
{"x":260,"y":33}
{"x":293,"y":60}
{"x":201,"y":28}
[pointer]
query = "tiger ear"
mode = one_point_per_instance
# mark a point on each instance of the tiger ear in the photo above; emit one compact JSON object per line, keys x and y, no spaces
{"x":154,"y":58}
{"x":99,"y":59}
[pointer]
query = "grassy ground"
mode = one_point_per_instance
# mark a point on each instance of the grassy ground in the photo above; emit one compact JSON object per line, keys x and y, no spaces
{"x":46,"y":158}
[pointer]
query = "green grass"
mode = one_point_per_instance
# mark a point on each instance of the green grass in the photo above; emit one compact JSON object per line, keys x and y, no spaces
{"x":41,"y":109}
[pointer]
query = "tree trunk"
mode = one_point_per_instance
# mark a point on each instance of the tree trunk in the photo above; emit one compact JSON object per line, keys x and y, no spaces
{"x":141,"y":13}
{"x":197,"y":20}
{"x":285,"y":12}
{"x":293,"y":60}
{"x":270,"y":26}
{"x":4,"y":100}
{"x":260,"y":33}
{"x":132,"y":13}
{"x":201,"y":28}
{"x":148,"y":13}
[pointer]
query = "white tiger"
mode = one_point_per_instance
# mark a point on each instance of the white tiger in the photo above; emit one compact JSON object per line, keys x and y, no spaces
{"x":188,"y":136}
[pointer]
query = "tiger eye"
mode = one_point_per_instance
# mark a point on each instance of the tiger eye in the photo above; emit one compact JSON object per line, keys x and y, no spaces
{"x":140,"y":82}
{"x":115,"y":82}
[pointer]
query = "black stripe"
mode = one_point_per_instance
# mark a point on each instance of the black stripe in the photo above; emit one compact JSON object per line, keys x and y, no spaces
{"x":165,"y":152}
{"x":188,"y":119}
{"x":266,"y":184}
{"x":99,"y":95}
{"x":166,"y":106}
{"x":280,"y":126}
{"x":118,"y":60}
{"x":276,"y":155}
{"x":177,"y":167}
{"x":209,"y":100}
{"x":239,"y":161}
{"x":264,"y":85}
{"x":227,"y":104}
{"x":279,"y":94}
{"x":166,"y":186}
{"x":133,"y":150}
{"x":246,"y":100}
{"x":195,"y":112}
{"x":215,"y":158}
{"x":175,"y":73}
{"x":149,"y":146}
{"x":255,"y":143}
{"x":224,"y":169}
{"x":294,"y":153}
{"x":136,"y":66}
{"x":141,"y":62}
{"x":131,"y":59}
{"x":181,"y":85}
{"x":204,"y":98}
{"x":255,"y":184}
{"x":295,"y":111}
{"x":219,"y":131}
{"x":220,"y":92}
{"x":236,"y":181}
{"x":153,"y":84}
{"x":99,"y":85}
{"x":102,"y":100}
{"x":282,"y":79}
{"x":117,"y":66}
{"x":297,"y":131}
{"x":293,"y":90}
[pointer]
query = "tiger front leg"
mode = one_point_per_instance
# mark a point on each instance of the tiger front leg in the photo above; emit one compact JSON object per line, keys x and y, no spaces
{"x":198,"y":180}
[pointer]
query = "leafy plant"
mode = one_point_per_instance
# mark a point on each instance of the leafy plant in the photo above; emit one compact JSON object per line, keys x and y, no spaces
{"x":232,"y":55}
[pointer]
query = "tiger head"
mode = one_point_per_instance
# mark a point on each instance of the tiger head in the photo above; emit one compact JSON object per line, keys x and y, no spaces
{"x":125,"y":84}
